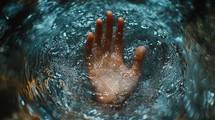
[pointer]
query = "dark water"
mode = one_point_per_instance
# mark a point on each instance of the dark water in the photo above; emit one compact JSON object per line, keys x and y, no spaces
{"x":43,"y":73}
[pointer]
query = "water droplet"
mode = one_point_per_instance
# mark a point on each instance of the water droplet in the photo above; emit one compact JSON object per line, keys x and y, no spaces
{"x":144,"y":27}
{"x":23,"y":102}
{"x":158,"y":43}
{"x":155,"y":32}
{"x":101,"y":97}
{"x":7,"y":18}
{"x":54,"y":26}
{"x":64,"y":34}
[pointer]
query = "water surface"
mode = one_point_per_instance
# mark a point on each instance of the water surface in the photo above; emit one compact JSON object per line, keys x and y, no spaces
{"x":42,"y":57}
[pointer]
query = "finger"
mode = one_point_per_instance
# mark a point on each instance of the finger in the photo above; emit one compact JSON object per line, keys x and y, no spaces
{"x":138,"y":57}
{"x":98,"y":32}
{"x":88,"y":47}
{"x":108,"y":31}
{"x":109,"y":25}
{"x":118,"y":47}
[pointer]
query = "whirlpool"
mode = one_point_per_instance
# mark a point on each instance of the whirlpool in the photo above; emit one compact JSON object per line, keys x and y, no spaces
{"x":43,"y":74}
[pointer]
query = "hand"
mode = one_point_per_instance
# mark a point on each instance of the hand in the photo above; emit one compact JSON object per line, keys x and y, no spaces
{"x":112,"y":80}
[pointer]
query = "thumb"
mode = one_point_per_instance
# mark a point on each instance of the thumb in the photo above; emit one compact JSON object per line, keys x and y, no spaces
{"x":138,"y":57}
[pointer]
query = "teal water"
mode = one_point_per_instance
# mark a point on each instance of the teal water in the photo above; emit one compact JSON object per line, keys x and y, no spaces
{"x":45,"y":53}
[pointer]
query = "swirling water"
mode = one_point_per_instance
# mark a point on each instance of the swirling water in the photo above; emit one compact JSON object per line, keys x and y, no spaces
{"x":43,"y":56}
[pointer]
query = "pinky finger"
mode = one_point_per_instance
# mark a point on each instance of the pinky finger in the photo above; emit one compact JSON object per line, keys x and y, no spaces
{"x":88,"y":47}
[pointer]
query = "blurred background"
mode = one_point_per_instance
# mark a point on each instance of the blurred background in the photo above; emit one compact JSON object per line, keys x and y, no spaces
{"x":42,"y":67}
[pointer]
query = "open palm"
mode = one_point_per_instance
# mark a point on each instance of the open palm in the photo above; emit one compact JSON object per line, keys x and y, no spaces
{"x":112,"y":80}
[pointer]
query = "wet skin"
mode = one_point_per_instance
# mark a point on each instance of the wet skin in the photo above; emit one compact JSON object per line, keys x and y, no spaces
{"x":111,"y":79}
